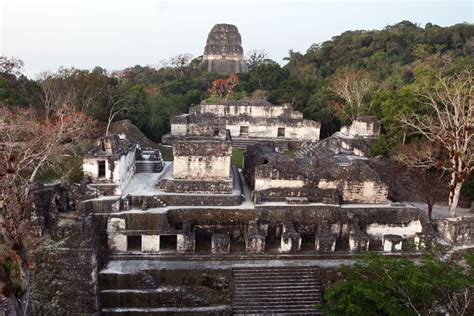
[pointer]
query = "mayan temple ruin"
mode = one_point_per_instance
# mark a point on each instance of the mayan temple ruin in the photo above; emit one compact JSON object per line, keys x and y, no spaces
{"x":200,"y":235}
{"x":223,"y":52}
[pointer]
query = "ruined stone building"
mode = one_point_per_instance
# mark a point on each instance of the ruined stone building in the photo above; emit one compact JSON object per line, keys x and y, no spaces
{"x":249,"y":122}
{"x":113,"y":161}
{"x":178,"y":234}
{"x":223,"y":52}
{"x":353,"y":140}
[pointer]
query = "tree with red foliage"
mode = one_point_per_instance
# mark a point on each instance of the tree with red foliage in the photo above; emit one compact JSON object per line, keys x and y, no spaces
{"x":222,"y":88}
{"x":26,"y":146}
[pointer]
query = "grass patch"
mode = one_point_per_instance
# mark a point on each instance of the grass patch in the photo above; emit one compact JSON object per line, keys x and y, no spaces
{"x":238,"y":158}
{"x":291,"y":152}
{"x":166,"y":152}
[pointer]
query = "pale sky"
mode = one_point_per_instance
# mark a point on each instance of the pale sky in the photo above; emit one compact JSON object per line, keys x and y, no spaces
{"x":115,"y":34}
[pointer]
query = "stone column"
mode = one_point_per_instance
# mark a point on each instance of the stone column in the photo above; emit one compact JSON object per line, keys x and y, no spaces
{"x":422,"y":240}
{"x":290,"y":242}
{"x":150,"y":243}
{"x":185,"y":243}
{"x":255,"y":243}
{"x":290,"y":239}
{"x":117,"y":241}
{"x":324,"y":240}
{"x":220,"y":243}
{"x":392,"y":243}
{"x":358,"y":240}
{"x":255,"y":239}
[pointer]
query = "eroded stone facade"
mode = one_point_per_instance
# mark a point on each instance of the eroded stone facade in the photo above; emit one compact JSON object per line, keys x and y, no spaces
{"x":223,"y":52}
{"x":249,"y":122}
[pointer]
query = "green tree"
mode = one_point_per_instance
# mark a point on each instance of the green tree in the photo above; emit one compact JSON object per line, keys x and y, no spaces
{"x":380,"y":285}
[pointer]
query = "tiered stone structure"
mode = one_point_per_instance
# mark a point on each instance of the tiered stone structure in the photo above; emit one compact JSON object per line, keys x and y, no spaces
{"x":223,"y":52}
{"x":249,"y":122}
{"x":201,"y":208}
{"x":202,"y":163}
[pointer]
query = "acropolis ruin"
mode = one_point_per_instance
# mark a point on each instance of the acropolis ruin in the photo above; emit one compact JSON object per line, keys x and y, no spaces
{"x":199,"y":211}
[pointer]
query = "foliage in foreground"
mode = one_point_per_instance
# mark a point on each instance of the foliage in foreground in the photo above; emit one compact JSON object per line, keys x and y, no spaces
{"x":380,"y":285}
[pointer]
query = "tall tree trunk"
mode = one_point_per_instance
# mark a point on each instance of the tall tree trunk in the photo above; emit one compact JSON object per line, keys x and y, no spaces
{"x":430,"y":210}
{"x":454,"y":193}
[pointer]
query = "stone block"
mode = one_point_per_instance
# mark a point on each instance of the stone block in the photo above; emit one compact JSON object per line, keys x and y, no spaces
{"x":220,"y":243}
{"x":422,"y":240}
{"x":115,"y":224}
{"x":290,"y":241}
{"x":186,"y":243}
{"x":358,"y":240}
{"x":255,"y":243}
{"x":392,"y":243}
{"x":117,"y":242}
{"x":150,"y":243}
{"x":324,"y":240}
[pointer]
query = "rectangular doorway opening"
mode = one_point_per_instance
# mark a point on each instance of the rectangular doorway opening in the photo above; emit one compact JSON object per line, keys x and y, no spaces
{"x":168,"y":243}
{"x":101,"y":166}
{"x":134,"y":243}
{"x":244,"y":131}
{"x":281,"y":132}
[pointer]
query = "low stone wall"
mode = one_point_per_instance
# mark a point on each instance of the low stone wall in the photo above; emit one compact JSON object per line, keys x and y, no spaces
{"x":187,"y":186}
{"x":458,"y":230}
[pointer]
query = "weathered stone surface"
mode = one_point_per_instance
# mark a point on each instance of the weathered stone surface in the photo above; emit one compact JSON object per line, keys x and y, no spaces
{"x":223,"y":52}
{"x":63,"y":277}
{"x":458,"y":230}
{"x":392,"y":243}
{"x":186,"y":243}
{"x":220,"y":243}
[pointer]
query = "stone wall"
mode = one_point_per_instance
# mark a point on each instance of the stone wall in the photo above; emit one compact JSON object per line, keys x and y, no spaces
{"x":358,"y":191}
{"x":363,"y":126}
{"x":458,"y":230}
{"x":262,"y":109}
{"x":204,"y":161}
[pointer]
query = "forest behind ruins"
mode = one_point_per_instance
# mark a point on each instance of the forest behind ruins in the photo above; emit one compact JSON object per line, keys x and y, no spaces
{"x":382,"y":70}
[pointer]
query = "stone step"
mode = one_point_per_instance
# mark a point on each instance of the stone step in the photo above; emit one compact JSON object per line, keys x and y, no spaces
{"x":148,"y":166}
{"x":277,"y":279}
{"x":277,"y":299}
{"x":160,"y":297}
{"x":275,"y":310}
{"x":261,"y":289}
{"x":278,"y":290}
{"x":276,"y":269}
{"x":280,"y":273}
{"x":200,"y":310}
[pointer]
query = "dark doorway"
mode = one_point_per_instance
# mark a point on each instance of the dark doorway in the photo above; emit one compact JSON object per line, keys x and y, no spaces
{"x":244,"y":131}
{"x":101,"y":164}
{"x":203,"y":240}
{"x":307,"y":242}
{"x":168,"y":243}
{"x":134,"y":243}
{"x":281,"y":132}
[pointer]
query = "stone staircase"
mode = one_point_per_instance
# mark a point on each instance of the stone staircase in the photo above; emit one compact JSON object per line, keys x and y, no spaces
{"x":147,"y":166}
{"x":142,"y":294}
{"x":306,"y":150}
{"x":276,"y":291}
